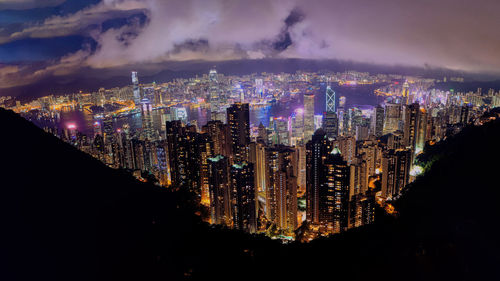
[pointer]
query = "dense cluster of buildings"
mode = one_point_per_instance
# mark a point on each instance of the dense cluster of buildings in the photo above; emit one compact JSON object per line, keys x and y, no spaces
{"x":300,"y":177}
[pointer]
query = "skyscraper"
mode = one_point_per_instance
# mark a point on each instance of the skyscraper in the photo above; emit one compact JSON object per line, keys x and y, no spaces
{"x":281,"y":194}
{"x":330,"y":124}
{"x":330,"y":100}
{"x":205,"y":151}
{"x":137,"y":91}
{"x":378,"y":121}
{"x":334,"y":193}
{"x":219,"y":186}
{"x":342,"y":101}
{"x":239,"y":124}
{"x":297,"y":125}
{"x":214,"y":96}
{"x":308,"y":116}
{"x":396,"y":170}
{"x":258,"y":159}
{"x":392,"y":117}
{"x":213,"y":90}
{"x":177,"y":153}
{"x":243,"y":195}
{"x":280,"y":127}
{"x":259,"y":87}
{"x":147,"y":119}
{"x":327,"y":194}
{"x":411,"y":118}
{"x":422,"y":132}
{"x":316,"y":148}
{"x":406,"y":93}
{"x":220,"y":135}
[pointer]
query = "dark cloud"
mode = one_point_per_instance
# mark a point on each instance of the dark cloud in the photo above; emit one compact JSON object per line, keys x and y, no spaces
{"x":295,"y":16}
{"x":284,"y":39}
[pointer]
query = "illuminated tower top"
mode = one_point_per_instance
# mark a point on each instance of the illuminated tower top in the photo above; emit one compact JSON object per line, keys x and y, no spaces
{"x":406,"y":92}
{"x":406,"y":89}
{"x":212,"y":75}
{"x":136,"y":90}
{"x":330,"y":100}
{"x":135,"y":78}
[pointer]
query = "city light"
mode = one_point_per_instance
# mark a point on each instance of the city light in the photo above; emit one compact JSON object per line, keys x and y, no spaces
{"x":416,"y":170}
{"x":196,"y":135}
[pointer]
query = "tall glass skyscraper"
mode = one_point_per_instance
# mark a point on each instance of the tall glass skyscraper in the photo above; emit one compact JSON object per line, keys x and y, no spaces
{"x":308,"y":116}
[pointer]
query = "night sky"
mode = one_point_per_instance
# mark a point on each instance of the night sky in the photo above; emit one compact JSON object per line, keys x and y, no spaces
{"x":54,"y":38}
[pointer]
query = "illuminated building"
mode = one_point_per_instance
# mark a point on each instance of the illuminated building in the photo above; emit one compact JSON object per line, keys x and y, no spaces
{"x":316,"y":148}
{"x":108,"y":131}
{"x":392,"y":117}
{"x":109,"y":142}
{"x":396,"y":168}
{"x":219,"y":187}
{"x":308,"y":116}
{"x":406,"y":93}
{"x":301,"y":168}
{"x":280,"y":127}
{"x":342,"y":101}
{"x":327,"y":185}
{"x":395,"y":141}
{"x":214,"y":97}
{"x":259,"y":87}
{"x":147,"y":119}
{"x":369,"y":158}
{"x":281,"y":194}
{"x":297,"y":125}
{"x":243,"y":197}
{"x":330,"y":119}
{"x":262,"y":137}
{"x":239,"y":125}
{"x":136,"y":89}
{"x":162,"y":166}
{"x":464,"y":114}
{"x":411,"y":117}
{"x":220,"y":135}
{"x":177,"y":153}
{"x":347,"y":146}
{"x":318,"y":122}
{"x":178,"y":113}
{"x":258,"y":159}
{"x":334,"y":193}
{"x":378,"y":121}
{"x":422,"y":132}
{"x":362,"y":132}
{"x":97,"y":128}
{"x":205,"y":148}
{"x":330,"y":100}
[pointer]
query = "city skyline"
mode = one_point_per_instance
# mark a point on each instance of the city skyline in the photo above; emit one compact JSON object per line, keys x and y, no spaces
{"x":255,"y":151}
{"x":249,"y":140}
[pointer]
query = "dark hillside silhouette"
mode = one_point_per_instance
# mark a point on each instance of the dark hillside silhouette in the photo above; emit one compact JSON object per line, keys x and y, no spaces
{"x":66,"y":216}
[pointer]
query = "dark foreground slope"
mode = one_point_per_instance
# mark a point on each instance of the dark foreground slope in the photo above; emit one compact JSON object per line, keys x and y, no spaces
{"x":65,"y":216}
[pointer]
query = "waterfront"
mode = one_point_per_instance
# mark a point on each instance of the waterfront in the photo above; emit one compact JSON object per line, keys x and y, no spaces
{"x":360,"y":95}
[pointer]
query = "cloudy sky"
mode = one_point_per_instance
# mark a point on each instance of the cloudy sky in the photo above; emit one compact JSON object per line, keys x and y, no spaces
{"x":41,"y":38}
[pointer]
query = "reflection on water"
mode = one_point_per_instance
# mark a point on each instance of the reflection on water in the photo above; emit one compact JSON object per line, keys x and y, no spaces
{"x":362,"y":94}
